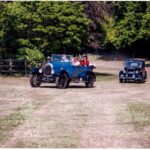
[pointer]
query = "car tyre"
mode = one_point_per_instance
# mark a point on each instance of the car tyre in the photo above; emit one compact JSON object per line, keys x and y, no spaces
{"x":145,"y":77}
{"x":62,"y":81}
{"x":68,"y":82}
{"x":35,"y":81}
{"x":90,"y":82}
{"x":121,"y":80}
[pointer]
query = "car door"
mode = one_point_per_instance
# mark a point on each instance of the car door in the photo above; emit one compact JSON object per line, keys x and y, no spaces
{"x":74,"y":71}
{"x":81,"y":70}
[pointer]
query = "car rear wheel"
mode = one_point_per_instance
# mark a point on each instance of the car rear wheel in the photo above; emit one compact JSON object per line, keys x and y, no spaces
{"x":90,"y":82}
{"x":145,"y":77}
{"x":62,"y":81}
{"x":142,"y":80}
{"x":35,"y":81}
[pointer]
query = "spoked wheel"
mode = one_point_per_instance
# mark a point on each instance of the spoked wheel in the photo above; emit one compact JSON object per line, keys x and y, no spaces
{"x":35,"y":80}
{"x":90,"y":82}
{"x":62,"y":81}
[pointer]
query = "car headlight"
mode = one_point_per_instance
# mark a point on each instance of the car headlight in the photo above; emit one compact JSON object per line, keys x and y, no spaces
{"x":52,"y":71}
{"x":40,"y":70}
{"x":136,"y":71}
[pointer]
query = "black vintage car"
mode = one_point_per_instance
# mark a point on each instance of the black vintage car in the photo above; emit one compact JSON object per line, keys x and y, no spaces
{"x":134,"y":70}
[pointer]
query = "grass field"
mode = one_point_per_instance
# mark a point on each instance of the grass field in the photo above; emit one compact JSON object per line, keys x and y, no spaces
{"x":110,"y":115}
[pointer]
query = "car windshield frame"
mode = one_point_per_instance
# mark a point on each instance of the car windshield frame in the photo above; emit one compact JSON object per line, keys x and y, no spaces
{"x":61,"y":58}
{"x":133,"y":64}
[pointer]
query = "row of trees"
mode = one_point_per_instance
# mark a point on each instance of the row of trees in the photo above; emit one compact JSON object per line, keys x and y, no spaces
{"x":129,"y":26}
{"x":33,"y":30}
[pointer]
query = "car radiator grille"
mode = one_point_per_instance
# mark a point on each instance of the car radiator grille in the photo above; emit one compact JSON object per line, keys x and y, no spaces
{"x":130,"y":72}
{"x":48,"y":70}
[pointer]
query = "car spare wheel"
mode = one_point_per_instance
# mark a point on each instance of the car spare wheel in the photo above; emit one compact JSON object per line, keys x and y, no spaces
{"x":90,"y":82}
{"x":35,"y":80}
{"x":62,"y":81}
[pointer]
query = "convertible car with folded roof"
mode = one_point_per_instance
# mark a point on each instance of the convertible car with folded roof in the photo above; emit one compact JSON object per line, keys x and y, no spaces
{"x":61,"y":70}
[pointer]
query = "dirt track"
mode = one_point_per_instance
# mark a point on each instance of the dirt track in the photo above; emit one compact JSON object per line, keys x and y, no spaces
{"x":74,"y":117}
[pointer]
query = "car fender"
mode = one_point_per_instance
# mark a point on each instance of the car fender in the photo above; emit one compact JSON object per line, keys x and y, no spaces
{"x":121,"y":72}
{"x":35,"y":70}
{"x":58,"y":73}
{"x":90,"y":72}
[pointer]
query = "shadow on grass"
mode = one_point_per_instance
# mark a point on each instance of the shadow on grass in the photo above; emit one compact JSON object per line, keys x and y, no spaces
{"x":105,"y":76}
{"x":70,"y":87}
{"x":99,"y":78}
{"x":134,"y":82}
{"x":112,"y":57}
{"x":147,"y":65}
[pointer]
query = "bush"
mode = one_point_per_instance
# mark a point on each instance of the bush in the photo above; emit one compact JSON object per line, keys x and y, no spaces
{"x":34,"y":56}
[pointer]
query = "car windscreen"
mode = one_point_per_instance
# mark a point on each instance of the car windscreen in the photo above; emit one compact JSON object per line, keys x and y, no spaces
{"x":61,"y":58}
{"x":133,"y":64}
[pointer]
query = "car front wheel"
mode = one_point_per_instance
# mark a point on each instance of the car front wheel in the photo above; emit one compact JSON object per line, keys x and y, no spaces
{"x":62,"y":81}
{"x":90,"y":82}
{"x":120,"y":80}
{"x":35,"y":80}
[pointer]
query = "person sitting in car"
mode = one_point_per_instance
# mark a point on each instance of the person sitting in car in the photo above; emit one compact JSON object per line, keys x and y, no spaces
{"x":76,"y":61}
{"x":82,"y":61}
{"x":86,"y":61}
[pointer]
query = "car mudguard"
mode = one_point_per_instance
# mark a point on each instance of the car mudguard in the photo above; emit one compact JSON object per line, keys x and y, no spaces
{"x":85,"y":77}
{"x":35,"y":70}
{"x":120,"y":73}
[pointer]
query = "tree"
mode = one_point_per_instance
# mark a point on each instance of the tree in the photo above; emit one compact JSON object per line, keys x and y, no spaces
{"x":97,"y":12}
{"x":50,"y":27}
{"x":129,"y":25}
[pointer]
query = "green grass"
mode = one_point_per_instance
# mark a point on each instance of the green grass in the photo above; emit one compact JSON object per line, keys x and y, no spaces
{"x":104,"y":77}
{"x":140,"y":115}
{"x":10,"y":122}
{"x":63,"y":130}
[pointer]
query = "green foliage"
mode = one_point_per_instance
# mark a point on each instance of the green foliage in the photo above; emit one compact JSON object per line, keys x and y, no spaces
{"x":70,"y":27}
{"x":130,"y":23}
{"x":52,"y":27}
{"x":32,"y":55}
{"x":140,"y":115}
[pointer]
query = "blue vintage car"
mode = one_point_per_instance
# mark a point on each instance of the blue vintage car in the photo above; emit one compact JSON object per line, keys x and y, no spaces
{"x":61,"y":70}
{"x":134,"y":70}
